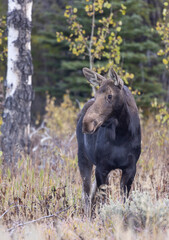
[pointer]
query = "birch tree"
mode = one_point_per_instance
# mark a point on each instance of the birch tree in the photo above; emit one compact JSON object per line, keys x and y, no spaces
{"x":18,"y":83}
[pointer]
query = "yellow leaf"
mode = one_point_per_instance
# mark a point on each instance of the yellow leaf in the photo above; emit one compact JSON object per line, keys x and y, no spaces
{"x":123,"y":6}
{"x":87,"y":8}
{"x":67,"y":7}
{"x":66,"y":15}
{"x":118,"y":29}
{"x":164,"y":12}
{"x":123,"y":12}
{"x":107,"y":5}
{"x":165,"y":61}
{"x":75,"y":10}
{"x":119,"y":40}
{"x":131,"y":75}
{"x":160,"y":52}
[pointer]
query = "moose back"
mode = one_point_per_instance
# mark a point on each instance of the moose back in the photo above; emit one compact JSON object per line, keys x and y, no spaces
{"x":108,"y":134}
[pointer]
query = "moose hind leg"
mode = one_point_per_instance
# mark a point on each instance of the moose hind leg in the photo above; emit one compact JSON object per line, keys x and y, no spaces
{"x":86,"y":171}
{"x":127,"y":180}
{"x":101,"y":177}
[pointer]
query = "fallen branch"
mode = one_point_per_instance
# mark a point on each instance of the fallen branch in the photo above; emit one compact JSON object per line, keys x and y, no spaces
{"x":11,"y":208}
{"x":38,"y":219}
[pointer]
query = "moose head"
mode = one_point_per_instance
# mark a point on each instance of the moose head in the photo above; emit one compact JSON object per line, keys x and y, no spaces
{"x":108,"y":99}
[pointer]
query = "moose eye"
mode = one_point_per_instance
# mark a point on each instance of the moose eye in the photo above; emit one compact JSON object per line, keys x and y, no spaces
{"x":109,"y":97}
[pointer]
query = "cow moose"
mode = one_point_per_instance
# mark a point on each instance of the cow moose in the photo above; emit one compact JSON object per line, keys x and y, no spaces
{"x":108,"y":134}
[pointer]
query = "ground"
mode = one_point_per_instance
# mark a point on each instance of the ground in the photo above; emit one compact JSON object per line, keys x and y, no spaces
{"x":40,"y":197}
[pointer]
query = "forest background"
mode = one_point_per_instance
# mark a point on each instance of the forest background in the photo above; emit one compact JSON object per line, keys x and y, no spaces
{"x":57,"y":70}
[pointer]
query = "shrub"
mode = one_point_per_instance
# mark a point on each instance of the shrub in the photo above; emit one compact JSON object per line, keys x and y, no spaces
{"x":139,"y":211}
{"x":61,"y":119}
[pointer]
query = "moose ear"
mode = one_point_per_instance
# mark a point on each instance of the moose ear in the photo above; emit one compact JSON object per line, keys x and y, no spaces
{"x":115,"y":78}
{"x":94,"y":78}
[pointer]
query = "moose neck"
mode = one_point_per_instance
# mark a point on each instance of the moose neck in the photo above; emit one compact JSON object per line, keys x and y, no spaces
{"x":124,"y":117}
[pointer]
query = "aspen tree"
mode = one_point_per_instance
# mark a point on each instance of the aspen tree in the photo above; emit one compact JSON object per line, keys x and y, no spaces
{"x":18,"y":83}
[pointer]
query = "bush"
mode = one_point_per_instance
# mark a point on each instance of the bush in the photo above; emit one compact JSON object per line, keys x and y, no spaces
{"x":139,"y":211}
{"x":61,"y":119}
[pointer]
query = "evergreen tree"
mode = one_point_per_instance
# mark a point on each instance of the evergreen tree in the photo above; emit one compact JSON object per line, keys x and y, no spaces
{"x":139,"y":48}
{"x":56,"y":70}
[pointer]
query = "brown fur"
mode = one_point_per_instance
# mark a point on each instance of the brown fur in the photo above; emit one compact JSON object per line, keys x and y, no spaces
{"x":108,"y":134}
{"x":84,"y":110}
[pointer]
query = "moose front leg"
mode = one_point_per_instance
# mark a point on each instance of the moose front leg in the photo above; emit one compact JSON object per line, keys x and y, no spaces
{"x":86,"y":171}
{"x":93,"y":190}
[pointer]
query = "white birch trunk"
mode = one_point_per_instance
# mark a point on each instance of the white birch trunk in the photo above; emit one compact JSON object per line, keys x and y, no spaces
{"x":16,"y":116}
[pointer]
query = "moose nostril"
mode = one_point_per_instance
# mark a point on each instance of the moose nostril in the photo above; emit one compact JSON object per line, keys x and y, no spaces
{"x":84,"y":127}
{"x":95,"y":123}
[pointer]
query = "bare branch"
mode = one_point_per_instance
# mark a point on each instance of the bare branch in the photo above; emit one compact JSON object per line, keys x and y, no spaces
{"x":91,"y":43}
{"x":38,"y":219}
{"x":11,"y":208}
{"x":91,"y":37}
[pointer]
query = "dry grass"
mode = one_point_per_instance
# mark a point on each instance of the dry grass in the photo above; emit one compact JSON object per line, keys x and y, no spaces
{"x":49,"y":183}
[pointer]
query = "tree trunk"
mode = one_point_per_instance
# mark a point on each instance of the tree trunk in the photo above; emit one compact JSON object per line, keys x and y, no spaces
{"x":17,"y":106}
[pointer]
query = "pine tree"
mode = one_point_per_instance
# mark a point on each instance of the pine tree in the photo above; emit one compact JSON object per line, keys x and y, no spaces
{"x":139,"y":49}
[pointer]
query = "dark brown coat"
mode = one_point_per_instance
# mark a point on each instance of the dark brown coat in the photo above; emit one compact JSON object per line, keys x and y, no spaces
{"x":108,"y":133}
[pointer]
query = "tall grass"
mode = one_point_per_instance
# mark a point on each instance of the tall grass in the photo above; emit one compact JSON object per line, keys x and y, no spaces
{"x":46,"y":187}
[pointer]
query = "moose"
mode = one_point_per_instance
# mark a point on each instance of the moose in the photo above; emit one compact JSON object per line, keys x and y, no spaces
{"x":108,"y":134}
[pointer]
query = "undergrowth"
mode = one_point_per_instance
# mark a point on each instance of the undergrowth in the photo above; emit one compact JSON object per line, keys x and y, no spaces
{"x":61,"y":119}
{"x":40,"y":197}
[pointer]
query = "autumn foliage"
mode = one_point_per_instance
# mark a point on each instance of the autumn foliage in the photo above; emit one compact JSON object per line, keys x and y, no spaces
{"x":163,"y":30}
{"x":104,"y":40}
